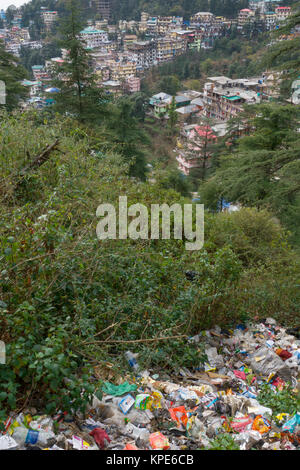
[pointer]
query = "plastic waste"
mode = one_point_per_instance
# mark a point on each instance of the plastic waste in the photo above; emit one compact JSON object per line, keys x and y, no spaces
{"x":130,"y":447}
{"x":158,"y":441}
{"x":241,"y":424}
{"x":261,"y":424}
{"x":7,"y":443}
{"x":132,"y":360}
{"x":291,"y":424}
{"x":180,"y":415}
{"x":126,"y":403}
{"x":101,"y":437}
{"x":118,"y":390}
{"x":247,"y":439}
{"x":265,"y":361}
{"x":137,"y":433}
{"x":214,"y":359}
{"x":41,"y":438}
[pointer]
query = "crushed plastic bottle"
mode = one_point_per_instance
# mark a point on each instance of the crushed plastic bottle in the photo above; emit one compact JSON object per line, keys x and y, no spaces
{"x":132,"y":360}
{"x":24,"y":436}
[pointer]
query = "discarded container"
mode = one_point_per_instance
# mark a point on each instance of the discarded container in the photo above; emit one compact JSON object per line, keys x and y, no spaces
{"x":132,"y":360}
{"x":23,"y":436}
{"x":126,"y":403}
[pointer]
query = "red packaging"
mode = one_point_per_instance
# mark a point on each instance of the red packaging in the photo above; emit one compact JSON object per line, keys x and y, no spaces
{"x":179,"y":415}
{"x":158,"y":441}
{"x":240,"y":424}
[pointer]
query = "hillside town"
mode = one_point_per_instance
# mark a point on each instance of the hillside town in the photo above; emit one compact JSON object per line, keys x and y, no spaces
{"x":123,"y":53}
{"x":150,"y":235}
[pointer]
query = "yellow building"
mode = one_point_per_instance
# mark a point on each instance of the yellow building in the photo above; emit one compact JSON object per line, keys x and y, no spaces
{"x":122,"y":71}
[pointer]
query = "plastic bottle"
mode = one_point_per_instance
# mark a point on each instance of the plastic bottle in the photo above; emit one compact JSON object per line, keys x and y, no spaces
{"x":132,"y":360}
{"x":23,"y":436}
{"x":137,"y":433}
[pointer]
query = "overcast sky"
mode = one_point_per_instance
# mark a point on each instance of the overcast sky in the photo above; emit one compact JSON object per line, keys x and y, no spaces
{"x":6,"y":3}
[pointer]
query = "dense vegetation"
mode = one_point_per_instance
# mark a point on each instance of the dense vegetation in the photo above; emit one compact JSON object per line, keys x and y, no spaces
{"x":69,"y":301}
{"x":262,"y":169}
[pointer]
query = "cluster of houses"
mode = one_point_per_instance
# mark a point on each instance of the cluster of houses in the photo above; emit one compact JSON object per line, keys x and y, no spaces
{"x":15,"y":36}
{"x":258,"y":11}
{"x":203,"y":116}
{"x":123,"y":52}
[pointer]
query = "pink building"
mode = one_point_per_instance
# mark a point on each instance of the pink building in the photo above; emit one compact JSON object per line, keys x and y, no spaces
{"x":133,"y":84}
{"x":282,"y":12}
{"x":194,"y":148}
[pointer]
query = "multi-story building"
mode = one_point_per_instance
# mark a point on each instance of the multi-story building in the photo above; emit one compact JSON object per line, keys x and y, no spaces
{"x":168,"y":48}
{"x":224,"y":97}
{"x":144,"y":53}
{"x":102,"y":73}
{"x":143,"y":22}
{"x":282,"y":13}
{"x":168,"y":23}
{"x":152,"y":25}
{"x":270,"y":19}
{"x":257,"y":5}
{"x":101,"y":24}
{"x":23,"y":33}
{"x":133,"y":84}
{"x":49,"y":17}
{"x":129,"y":39}
{"x":113,"y":87}
{"x":202,"y":17}
{"x":93,"y":37}
{"x":40,"y":73}
{"x":122,"y":70}
{"x":245,"y":16}
{"x":193,"y":148}
{"x":35,"y":87}
{"x":103,"y":8}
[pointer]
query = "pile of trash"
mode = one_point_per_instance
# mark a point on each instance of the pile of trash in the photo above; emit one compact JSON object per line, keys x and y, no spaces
{"x":189,"y":411}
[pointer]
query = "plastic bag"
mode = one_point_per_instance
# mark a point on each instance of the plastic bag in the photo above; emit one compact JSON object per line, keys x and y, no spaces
{"x":261,"y":424}
{"x":158,"y":441}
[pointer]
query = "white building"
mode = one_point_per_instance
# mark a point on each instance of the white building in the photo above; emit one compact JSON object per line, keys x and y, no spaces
{"x":282,"y":13}
{"x":49,"y":17}
{"x":93,"y":37}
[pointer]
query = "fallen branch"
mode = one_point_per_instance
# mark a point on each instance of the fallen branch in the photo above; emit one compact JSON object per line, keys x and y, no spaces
{"x":40,"y":159}
{"x":147,"y":340}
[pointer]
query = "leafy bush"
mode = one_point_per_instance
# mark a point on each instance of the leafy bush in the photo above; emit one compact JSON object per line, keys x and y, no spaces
{"x":223,"y":442}
{"x":283,"y":401}
{"x":71,"y":302}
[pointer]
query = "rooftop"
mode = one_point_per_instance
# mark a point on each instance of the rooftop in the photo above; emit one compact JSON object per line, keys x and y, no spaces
{"x":91,"y":30}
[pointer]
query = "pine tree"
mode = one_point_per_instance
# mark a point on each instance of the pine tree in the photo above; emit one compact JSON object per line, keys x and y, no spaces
{"x":284,"y":55}
{"x":264,"y":170}
{"x":11,"y":73}
{"x":126,"y":137}
{"x":79,"y":94}
{"x":173,"y":116}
